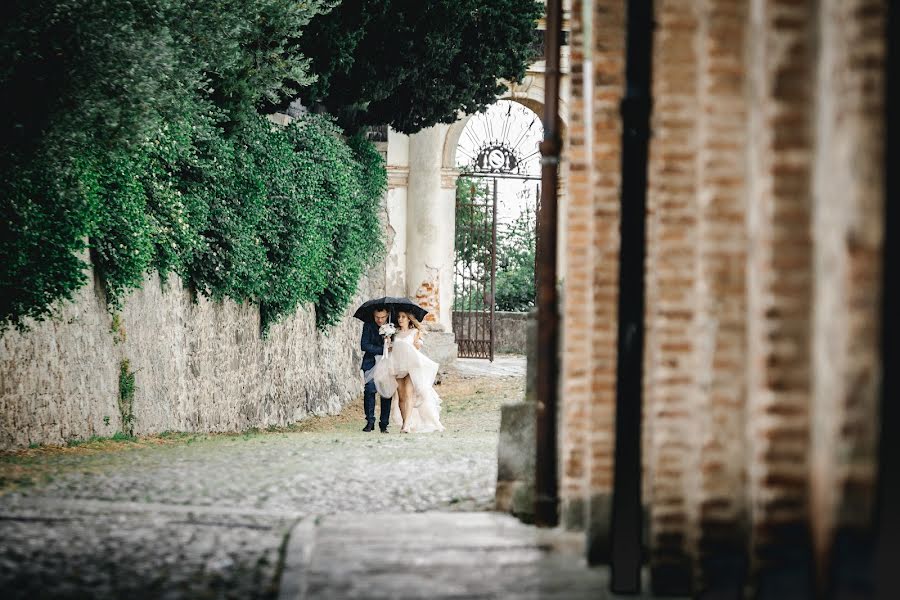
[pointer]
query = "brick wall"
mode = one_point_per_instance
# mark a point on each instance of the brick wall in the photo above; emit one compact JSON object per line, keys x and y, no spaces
{"x":717,"y":505}
{"x":671,"y":273}
{"x":779,"y":287}
{"x":590,"y":289}
{"x":765,"y":232}
{"x":608,"y":80}
{"x":577,"y":319}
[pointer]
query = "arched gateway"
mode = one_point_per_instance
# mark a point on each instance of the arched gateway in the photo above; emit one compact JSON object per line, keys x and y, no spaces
{"x":421,"y":213}
{"x":496,"y":219}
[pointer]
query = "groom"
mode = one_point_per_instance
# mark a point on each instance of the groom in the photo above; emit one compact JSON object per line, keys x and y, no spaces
{"x":372,"y":344}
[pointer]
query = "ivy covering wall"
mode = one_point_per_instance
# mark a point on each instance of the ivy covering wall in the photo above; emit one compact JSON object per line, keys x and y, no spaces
{"x":134,"y":131}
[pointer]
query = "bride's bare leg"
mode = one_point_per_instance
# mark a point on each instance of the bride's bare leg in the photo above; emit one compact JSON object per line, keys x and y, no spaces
{"x":404,"y":394}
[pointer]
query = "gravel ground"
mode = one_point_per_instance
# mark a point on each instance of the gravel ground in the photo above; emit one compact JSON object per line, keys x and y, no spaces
{"x":195,"y":516}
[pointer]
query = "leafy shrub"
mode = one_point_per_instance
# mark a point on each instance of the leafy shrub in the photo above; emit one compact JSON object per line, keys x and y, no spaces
{"x":133,"y":132}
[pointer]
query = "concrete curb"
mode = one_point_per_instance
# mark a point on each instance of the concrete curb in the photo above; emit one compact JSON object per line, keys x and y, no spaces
{"x":297,"y":556}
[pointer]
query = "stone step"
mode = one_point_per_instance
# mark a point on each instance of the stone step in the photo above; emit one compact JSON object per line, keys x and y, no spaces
{"x":436,"y":555}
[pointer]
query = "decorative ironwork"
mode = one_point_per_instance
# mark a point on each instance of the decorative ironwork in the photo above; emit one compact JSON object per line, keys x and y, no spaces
{"x":496,"y":159}
{"x":496,"y":146}
{"x":476,"y":270}
{"x":502,"y":142}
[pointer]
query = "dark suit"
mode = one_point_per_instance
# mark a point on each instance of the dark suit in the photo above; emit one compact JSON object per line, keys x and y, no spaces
{"x":372,"y":345}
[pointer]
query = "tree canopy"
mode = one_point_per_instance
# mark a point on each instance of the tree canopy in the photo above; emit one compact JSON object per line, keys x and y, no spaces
{"x":413,"y":64}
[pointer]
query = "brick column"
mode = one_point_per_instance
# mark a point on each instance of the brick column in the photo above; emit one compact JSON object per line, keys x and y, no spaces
{"x":717,"y":509}
{"x":779,"y":293}
{"x":606,"y":94}
{"x":671,"y":271}
{"x":577,"y":318}
{"x":848,"y":232}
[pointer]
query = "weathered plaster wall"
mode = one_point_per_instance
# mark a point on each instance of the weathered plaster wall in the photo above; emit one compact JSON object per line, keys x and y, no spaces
{"x":198,"y":367}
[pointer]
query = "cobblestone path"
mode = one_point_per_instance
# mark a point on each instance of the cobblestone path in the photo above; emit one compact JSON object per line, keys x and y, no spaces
{"x":206,"y":516}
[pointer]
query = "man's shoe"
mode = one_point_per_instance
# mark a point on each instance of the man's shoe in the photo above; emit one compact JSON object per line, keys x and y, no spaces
{"x":369,"y":427}
{"x":383,"y":429}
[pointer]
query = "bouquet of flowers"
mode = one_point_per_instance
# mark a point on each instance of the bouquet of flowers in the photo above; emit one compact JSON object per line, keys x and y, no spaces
{"x":387,"y":330}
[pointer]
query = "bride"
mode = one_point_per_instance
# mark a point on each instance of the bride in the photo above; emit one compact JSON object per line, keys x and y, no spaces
{"x":407,"y":375}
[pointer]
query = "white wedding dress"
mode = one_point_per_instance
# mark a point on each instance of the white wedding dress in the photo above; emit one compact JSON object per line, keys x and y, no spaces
{"x":404,"y":359}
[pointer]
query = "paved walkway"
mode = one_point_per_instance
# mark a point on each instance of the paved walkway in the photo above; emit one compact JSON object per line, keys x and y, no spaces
{"x":325,"y":512}
{"x":436,"y":556}
{"x":206,"y":517}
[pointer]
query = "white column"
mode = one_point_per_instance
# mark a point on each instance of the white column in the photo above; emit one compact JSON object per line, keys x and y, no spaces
{"x":430,"y":226}
{"x":395,"y":228}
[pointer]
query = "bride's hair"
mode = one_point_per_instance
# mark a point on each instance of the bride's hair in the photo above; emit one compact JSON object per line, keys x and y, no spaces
{"x":413,"y":321}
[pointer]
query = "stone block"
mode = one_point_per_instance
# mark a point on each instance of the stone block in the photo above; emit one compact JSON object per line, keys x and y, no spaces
{"x":516,"y":460}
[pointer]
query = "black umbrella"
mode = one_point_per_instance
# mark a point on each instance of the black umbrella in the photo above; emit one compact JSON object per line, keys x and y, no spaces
{"x":365,"y":311}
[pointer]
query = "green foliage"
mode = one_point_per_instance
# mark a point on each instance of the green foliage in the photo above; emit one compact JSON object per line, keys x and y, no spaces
{"x":514,"y":290}
{"x":356,"y":240}
{"x":474,"y":239}
{"x":415,"y":64}
{"x":126,"y":397}
{"x":134,"y":133}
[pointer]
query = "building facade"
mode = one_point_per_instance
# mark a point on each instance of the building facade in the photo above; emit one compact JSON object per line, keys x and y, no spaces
{"x":765,"y":230}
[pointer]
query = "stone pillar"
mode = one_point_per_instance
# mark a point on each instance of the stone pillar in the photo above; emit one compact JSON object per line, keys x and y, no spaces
{"x":717,"y":506}
{"x":671,"y":339}
{"x":848,"y":232}
{"x":779,"y":293}
{"x":430,"y":237}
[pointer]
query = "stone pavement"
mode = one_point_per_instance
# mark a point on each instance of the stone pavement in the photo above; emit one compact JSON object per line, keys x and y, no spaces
{"x":436,"y":556}
{"x":207,"y":516}
{"x":331,"y":512}
{"x":208,"y":519}
{"x":504,"y":365}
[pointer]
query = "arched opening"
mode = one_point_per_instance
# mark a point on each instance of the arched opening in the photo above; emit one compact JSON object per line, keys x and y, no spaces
{"x":496,"y":153}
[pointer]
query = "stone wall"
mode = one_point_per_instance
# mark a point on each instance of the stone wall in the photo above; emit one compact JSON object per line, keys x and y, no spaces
{"x":510,"y":332}
{"x":198,"y":366}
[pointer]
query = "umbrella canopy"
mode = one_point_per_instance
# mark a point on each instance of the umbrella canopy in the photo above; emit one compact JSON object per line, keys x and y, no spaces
{"x":393,"y":304}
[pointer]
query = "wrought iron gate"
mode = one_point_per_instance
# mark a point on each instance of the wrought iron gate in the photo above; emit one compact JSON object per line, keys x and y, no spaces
{"x":476,"y":269}
{"x":499,"y":144}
